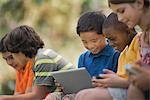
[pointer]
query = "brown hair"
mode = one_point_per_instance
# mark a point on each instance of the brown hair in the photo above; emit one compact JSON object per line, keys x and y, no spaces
{"x":90,"y":21}
{"x":145,"y":36}
{"x":23,"y":39}
{"x":112,"y":21}
{"x":2,"y":47}
{"x":146,"y":2}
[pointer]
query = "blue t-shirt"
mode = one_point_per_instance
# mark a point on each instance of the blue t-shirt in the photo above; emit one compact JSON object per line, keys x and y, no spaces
{"x":95,"y":63}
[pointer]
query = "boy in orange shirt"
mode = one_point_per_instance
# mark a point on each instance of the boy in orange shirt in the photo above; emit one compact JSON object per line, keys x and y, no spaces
{"x":24,"y":75}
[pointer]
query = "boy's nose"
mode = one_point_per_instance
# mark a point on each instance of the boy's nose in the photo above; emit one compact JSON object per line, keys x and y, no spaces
{"x":90,"y":46}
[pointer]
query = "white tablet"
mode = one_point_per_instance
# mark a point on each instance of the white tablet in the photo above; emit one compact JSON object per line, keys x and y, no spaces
{"x":73,"y":80}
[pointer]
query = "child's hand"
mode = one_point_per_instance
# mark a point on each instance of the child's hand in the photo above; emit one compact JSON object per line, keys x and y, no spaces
{"x":96,"y":82}
{"x":110,"y":79}
{"x":60,"y":88}
{"x":142,"y":79}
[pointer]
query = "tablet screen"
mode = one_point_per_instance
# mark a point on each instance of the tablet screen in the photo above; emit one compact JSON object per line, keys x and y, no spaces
{"x":73,"y":80}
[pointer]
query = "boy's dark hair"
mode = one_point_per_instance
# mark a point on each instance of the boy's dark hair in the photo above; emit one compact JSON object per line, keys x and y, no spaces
{"x":23,"y":39}
{"x":91,"y":21}
{"x":146,"y":2}
{"x":112,"y":21}
{"x":2,"y":47}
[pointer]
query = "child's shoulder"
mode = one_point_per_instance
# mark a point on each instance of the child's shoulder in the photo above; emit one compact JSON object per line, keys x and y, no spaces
{"x":85,"y":53}
{"x":110,"y":50}
{"x":46,"y":53}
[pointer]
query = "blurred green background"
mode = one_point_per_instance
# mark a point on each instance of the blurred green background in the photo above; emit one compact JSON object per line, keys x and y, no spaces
{"x":54,"y":20}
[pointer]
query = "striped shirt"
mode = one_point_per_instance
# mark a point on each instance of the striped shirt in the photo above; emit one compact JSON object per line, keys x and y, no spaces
{"x":46,"y":62}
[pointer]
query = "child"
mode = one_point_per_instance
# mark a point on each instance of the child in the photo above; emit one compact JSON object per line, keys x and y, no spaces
{"x":114,"y":86}
{"x":136,"y":12}
{"x":25,"y":44}
{"x":99,"y":55}
{"x":120,"y":37}
{"x":24,"y":74}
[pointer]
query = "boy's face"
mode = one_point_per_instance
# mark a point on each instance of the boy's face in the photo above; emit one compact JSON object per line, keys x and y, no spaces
{"x":117,"y":39}
{"x":92,"y":41}
{"x":10,"y":60}
{"x":20,"y":58}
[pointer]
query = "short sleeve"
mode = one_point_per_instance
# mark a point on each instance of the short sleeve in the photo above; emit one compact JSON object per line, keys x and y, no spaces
{"x":43,"y":75}
{"x":80,"y":61}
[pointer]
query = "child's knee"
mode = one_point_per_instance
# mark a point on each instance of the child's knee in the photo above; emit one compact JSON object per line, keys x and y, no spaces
{"x":83,"y":94}
{"x":69,"y":97}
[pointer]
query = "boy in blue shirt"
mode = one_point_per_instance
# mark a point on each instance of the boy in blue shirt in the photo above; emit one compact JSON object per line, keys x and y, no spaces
{"x":99,"y":55}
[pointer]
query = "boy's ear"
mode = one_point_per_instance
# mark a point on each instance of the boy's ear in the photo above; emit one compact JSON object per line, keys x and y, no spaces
{"x":140,"y":4}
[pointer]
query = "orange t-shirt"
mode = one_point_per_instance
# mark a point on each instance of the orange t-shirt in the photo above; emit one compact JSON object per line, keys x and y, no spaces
{"x":24,"y":79}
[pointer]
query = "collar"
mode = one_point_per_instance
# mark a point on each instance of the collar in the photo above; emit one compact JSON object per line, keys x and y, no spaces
{"x":107,"y":51}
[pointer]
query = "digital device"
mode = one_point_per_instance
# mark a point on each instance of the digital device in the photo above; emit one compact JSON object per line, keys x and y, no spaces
{"x":130,"y":69}
{"x":73,"y":80}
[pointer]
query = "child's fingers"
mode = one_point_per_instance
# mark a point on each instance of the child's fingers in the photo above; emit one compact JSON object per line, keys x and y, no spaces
{"x":57,"y":84}
{"x":97,"y":84}
{"x":93,"y":77}
{"x":59,"y":89}
{"x":99,"y":81}
{"x":139,"y":69}
{"x":105,"y":85}
{"x":55,"y":81}
{"x":107,"y":71}
{"x":105,"y":75}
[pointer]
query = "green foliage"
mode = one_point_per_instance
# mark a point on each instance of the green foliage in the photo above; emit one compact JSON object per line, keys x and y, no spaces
{"x":86,"y":6}
{"x":11,"y":12}
{"x":14,"y":9}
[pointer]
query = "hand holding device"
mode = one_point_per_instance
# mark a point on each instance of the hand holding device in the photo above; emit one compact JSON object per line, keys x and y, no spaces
{"x":131,"y":70}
